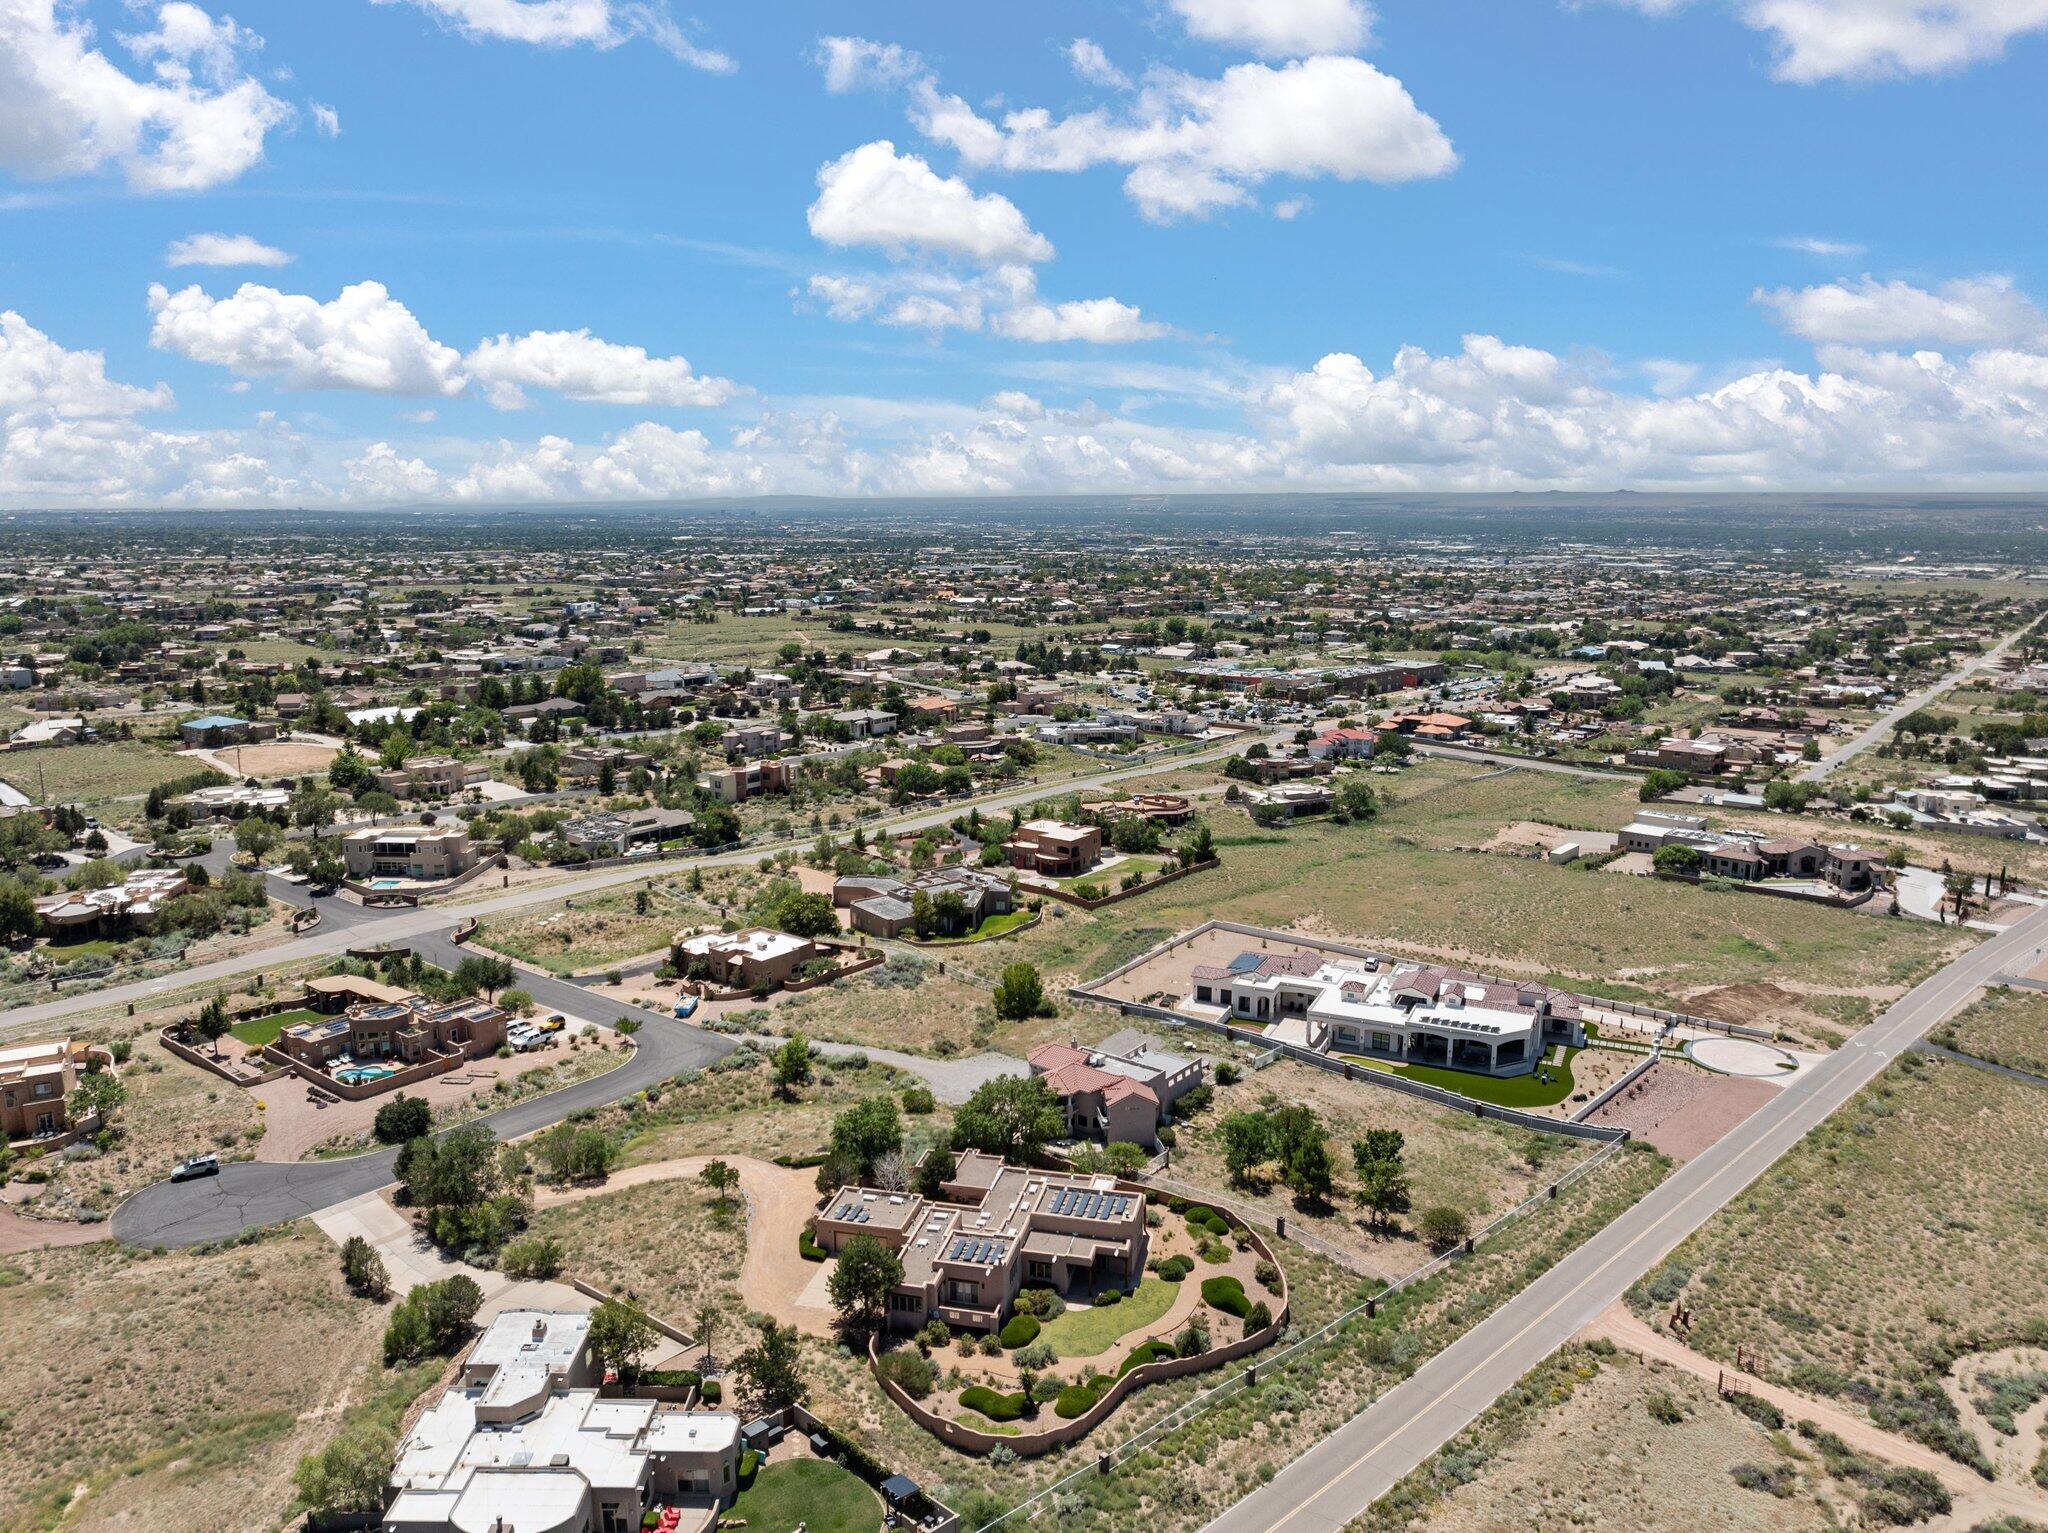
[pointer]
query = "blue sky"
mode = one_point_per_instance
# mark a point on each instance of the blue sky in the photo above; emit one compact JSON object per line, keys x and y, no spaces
{"x":1316,"y":244}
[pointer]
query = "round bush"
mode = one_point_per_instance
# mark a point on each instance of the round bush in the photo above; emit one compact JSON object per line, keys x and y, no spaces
{"x":1074,"y":1400}
{"x":1149,"y":1352}
{"x":1226,"y":1294}
{"x":1021,"y":1332}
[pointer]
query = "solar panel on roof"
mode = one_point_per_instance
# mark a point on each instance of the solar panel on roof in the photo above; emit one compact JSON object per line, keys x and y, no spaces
{"x":1244,"y":963}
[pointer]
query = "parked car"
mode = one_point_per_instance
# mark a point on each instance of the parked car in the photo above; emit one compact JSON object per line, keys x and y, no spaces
{"x":196,"y":1166}
{"x":553,"y":1024}
{"x":525,"y":1038}
{"x":687,"y":1006}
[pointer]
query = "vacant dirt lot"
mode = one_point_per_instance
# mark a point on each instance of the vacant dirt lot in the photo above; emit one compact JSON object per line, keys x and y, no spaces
{"x":275,"y":758}
{"x":1682,"y":1109}
{"x":2006,"y":1026}
{"x":131,"y":1399}
{"x":1909,"y":1229}
{"x":1574,"y":1446}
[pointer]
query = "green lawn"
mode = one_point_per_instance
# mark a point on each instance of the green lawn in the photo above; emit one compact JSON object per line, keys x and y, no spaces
{"x":87,"y":947}
{"x":823,"y":1497}
{"x":994,"y":926}
{"x":1499,"y":1091}
{"x":1112,"y":878}
{"x":1087,"y":1332}
{"x":258,"y":1031}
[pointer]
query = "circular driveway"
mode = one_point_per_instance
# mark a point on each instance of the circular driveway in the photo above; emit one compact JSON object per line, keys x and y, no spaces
{"x":1740,"y":1056}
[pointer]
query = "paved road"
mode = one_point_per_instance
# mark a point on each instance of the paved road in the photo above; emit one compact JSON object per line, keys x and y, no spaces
{"x":1521,"y":763}
{"x":1879,"y":729}
{"x":253,"y":1193}
{"x":344,"y":925}
{"x":1358,"y":1463}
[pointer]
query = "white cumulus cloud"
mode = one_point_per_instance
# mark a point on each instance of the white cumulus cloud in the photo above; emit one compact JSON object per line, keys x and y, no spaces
{"x":67,"y":109}
{"x":569,"y":23}
{"x":224,"y":250}
{"x":857,"y":63}
{"x":1968,"y":311}
{"x":1090,"y":63}
{"x":382,"y":473}
{"x":1195,"y":145}
{"x":896,"y":202}
{"x":362,"y":339}
{"x":1279,"y":28}
{"x":577,"y":365}
{"x":1817,"y":40}
{"x":38,"y":376}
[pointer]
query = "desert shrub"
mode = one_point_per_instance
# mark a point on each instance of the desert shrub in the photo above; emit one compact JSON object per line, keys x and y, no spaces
{"x":1149,"y":1352}
{"x":537,"y":1256}
{"x":1268,"y":1275}
{"x":1442,"y":1226}
{"x":1039,"y":1354}
{"x":1665,"y":1410}
{"x":1202,"y":1217}
{"x":987,"y":1402}
{"x":1758,"y":1409}
{"x":910,"y":1370}
{"x":1172,"y":1268}
{"x":1109,"y":1296}
{"x":1258,"y":1317}
{"x":1779,"y":1480}
{"x":918,"y":1100}
{"x":936,"y":1333}
{"x":1020,"y":1332}
{"x":1226,"y":1294}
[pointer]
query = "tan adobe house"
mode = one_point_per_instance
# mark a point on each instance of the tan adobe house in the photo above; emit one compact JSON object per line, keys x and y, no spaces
{"x":754,"y":959}
{"x":375,"y":1023}
{"x":36,"y":1082}
{"x":881,"y":905}
{"x":426,"y":855}
{"x":1054,"y":848}
{"x":432,"y":777}
{"x":993,"y":1230}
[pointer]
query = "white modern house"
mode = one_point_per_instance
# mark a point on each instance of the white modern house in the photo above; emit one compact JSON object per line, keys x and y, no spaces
{"x":1409,"y":1013}
{"x":524,"y":1440}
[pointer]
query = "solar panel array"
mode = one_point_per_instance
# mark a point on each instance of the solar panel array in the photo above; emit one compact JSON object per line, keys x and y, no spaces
{"x":854,"y":1213}
{"x":1076,"y":1203}
{"x":975,"y":1248}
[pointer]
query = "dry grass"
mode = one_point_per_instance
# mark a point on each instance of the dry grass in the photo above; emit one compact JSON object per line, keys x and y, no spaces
{"x":661,"y":1244}
{"x":1574,"y":1446}
{"x":1477,"y":1165}
{"x":89,"y":774}
{"x":1910,"y":1228}
{"x":608,"y":928}
{"x":131,"y":1382}
{"x":173,"y":1110}
{"x":2007,"y":1027}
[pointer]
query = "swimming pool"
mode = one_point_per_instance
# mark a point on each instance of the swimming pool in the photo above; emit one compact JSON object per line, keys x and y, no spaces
{"x":387,"y":883}
{"x":357,"y":1075}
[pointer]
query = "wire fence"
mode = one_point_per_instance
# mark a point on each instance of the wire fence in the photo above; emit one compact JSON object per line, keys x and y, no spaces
{"x":1292,"y":1351}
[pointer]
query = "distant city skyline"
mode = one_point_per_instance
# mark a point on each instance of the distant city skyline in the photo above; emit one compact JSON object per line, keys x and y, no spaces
{"x":393,"y":252}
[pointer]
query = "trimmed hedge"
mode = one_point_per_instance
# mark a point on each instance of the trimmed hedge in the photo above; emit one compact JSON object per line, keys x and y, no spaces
{"x":1226,"y":1294}
{"x":1201,"y":1217}
{"x":1148,"y":1352}
{"x":995,"y":1406}
{"x":1022,"y":1331}
{"x":808,"y":1248}
{"x":1076,"y":1400}
{"x":711,"y":1392}
{"x":1174,"y":1268}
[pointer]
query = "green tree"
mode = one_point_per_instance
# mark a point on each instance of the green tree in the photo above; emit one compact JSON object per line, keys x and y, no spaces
{"x":792,"y":1066}
{"x":1677,"y":858}
{"x":865,"y":1132}
{"x":1247,"y":1146}
{"x":1013,"y":1116}
{"x":99,"y":1093}
{"x":431,"y":1319}
{"x":721,"y":1178}
{"x":771,"y":1367}
{"x":476,"y":973}
{"x":1354,"y":799}
{"x":807,"y":915}
{"x":402,"y":1118}
{"x":1020,"y":993}
{"x":313,"y":807}
{"x":1442,"y":1226}
{"x":862,"y":1279}
{"x":212,"y":1022}
{"x":620,"y":1335}
{"x":256,"y":836}
{"x":18,"y":918}
{"x":1383,"y":1187}
{"x":363,"y":1269}
{"x":347,"y":1478}
{"x":349,"y":773}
